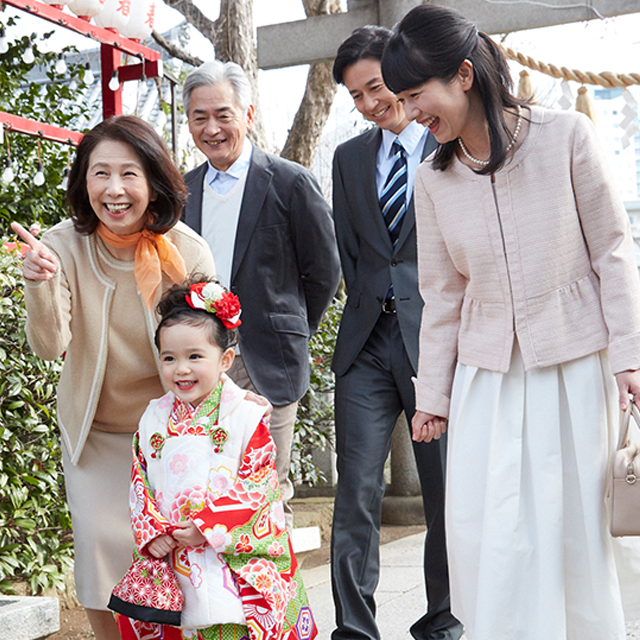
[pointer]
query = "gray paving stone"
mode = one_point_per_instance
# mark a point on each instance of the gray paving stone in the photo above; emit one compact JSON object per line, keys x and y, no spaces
{"x":400,"y":596}
{"x":24,"y":618}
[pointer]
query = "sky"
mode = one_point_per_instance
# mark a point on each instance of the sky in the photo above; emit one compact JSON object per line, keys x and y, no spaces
{"x":612,"y":44}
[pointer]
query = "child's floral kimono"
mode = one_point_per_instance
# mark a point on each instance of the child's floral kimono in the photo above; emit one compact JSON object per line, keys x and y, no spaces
{"x":216,"y":465}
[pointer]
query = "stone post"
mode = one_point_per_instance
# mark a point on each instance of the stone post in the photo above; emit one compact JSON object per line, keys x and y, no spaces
{"x":402,"y":504}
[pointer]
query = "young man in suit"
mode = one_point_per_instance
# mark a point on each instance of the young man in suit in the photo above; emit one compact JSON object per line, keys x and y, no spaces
{"x":376,"y":353}
{"x":272,"y":239}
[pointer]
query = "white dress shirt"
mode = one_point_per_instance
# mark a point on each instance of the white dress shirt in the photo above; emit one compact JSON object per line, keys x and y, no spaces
{"x":223,"y":181}
{"x":412,"y":138}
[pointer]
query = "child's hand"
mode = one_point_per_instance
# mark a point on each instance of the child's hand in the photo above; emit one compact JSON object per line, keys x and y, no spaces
{"x":187,"y":534}
{"x":161,"y":546}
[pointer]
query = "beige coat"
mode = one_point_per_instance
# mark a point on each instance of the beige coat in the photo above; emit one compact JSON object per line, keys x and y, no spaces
{"x":542,"y":250}
{"x":70,"y":314}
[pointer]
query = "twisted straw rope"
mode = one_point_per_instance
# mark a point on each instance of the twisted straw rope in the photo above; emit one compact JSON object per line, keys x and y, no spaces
{"x":606,"y":79}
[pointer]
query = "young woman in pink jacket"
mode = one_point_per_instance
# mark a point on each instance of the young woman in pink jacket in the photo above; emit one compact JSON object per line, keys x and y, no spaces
{"x":532,"y":314}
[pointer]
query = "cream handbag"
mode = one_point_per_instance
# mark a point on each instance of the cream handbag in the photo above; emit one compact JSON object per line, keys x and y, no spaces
{"x":624,"y":487}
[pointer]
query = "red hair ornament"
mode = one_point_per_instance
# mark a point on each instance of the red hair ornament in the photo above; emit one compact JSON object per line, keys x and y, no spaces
{"x":214,"y":298}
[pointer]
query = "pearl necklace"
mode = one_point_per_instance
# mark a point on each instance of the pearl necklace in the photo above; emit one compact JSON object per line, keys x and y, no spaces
{"x":484,"y":163}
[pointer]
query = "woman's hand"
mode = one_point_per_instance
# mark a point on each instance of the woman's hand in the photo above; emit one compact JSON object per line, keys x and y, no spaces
{"x":427,"y":427}
{"x":187,"y":534}
{"x":39,"y":263}
{"x":161,"y":546}
{"x":254,"y":397}
{"x":628,"y":385}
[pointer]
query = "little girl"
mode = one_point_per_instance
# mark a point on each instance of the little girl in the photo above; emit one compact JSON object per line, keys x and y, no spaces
{"x":205,"y":488}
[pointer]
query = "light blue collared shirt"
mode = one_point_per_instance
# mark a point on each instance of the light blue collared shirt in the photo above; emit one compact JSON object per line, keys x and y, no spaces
{"x":413,"y":138}
{"x":223,"y":181}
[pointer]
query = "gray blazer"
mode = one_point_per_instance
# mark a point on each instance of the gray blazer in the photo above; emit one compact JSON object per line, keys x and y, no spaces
{"x":285,"y":269}
{"x":541,"y":252}
{"x":369,"y":262}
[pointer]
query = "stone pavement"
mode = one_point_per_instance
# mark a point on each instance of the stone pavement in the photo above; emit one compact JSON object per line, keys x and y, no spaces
{"x":400,"y":595}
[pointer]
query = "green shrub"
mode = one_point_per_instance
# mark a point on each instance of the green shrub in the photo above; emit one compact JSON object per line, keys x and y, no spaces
{"x":314,"y":422}
{"x":35,"y":539}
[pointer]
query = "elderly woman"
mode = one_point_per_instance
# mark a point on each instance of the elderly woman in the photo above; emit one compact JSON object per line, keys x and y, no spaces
{"x":91,"y":288}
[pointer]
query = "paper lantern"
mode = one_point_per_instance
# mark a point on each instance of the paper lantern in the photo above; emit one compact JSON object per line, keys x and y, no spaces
{"x":57,"y":3}
{"x":141,"y":22}
{"x":114,"y":15}
{"x":86,"y":8}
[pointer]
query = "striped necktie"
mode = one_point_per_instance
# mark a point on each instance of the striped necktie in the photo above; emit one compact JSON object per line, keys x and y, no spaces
{"x":393,"y":200}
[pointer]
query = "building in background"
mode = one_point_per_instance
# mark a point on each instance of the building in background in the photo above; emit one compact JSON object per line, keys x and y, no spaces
{"x":625,"y":161}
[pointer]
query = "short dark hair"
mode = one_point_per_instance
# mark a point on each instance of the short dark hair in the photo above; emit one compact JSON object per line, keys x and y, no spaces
{"x":165,"y":181}
{"x":173,"y":308}
{"x":432,"y":42}
{"x":364,"y":43}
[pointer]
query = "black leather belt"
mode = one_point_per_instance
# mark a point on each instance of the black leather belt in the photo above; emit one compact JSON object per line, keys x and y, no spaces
{"x":389,"y":306}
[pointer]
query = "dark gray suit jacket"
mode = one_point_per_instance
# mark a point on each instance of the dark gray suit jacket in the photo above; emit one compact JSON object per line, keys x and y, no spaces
{"x":369,"y":262}
{"x":285,"y":269}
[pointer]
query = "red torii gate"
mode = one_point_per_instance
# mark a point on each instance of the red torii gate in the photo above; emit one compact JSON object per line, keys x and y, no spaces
{"x":112,"y":45}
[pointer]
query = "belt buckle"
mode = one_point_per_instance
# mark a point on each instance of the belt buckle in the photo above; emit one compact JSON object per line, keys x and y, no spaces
{"x":389,"y":306}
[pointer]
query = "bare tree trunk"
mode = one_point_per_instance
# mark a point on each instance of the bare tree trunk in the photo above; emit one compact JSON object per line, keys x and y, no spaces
{"x":306,"y":130}
{"x":234,"y":41}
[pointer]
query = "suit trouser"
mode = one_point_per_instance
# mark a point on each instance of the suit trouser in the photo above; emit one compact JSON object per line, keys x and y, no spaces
{"x":369,"y":398}
{"x":283,"y":419}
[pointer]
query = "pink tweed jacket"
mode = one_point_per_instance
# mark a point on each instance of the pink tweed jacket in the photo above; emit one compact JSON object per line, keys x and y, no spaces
{"x":542,"y":251}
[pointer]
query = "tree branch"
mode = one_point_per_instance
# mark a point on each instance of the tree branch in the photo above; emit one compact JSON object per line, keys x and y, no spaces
{"x":194,"y":16}
{"x":175,"y":51}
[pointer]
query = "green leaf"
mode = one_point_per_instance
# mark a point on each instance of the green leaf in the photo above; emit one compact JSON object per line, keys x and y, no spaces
{"x":31,"y":480}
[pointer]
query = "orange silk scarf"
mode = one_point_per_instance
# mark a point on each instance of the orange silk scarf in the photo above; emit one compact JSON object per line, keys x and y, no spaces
{"x":155,"y":253}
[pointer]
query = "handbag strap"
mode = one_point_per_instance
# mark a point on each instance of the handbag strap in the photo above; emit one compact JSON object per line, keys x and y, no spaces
{"x":625,"y":419}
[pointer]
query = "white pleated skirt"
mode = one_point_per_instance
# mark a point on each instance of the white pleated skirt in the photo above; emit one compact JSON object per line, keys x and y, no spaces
{"x":530,"y":555}
{"x":98,"y":496}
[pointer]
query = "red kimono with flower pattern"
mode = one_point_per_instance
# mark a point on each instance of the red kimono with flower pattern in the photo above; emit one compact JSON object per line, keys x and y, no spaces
{"x":243,"y":524}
